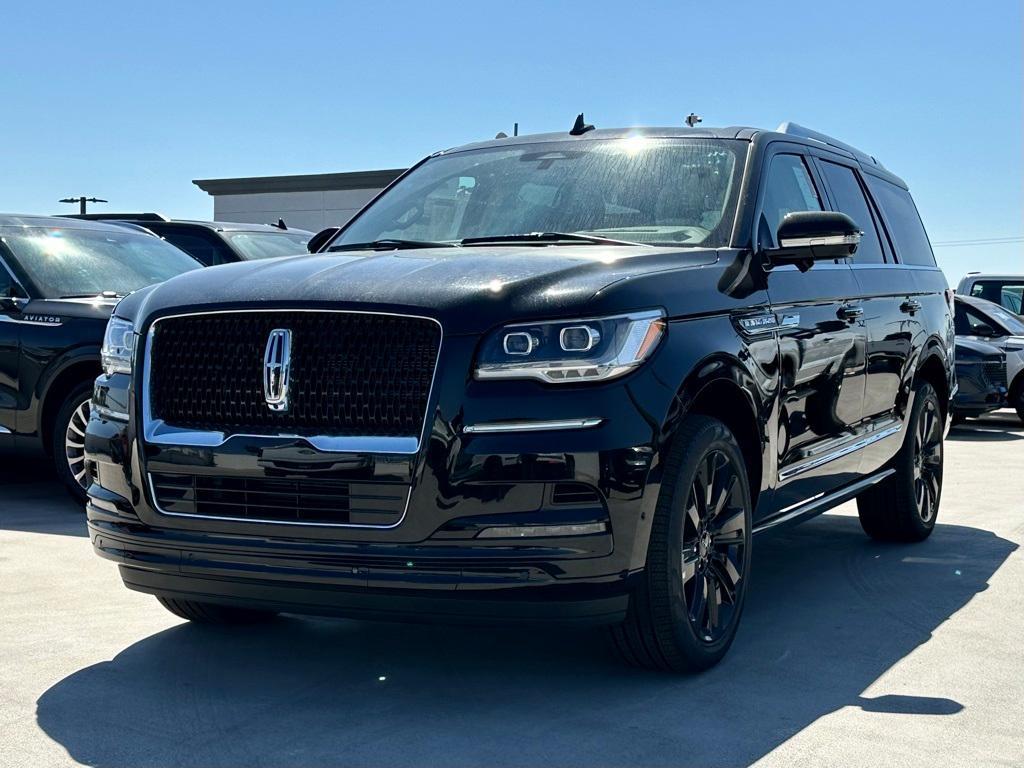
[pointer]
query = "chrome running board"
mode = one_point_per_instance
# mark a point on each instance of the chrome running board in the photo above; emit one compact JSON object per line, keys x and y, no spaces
{"x":815,"y":505}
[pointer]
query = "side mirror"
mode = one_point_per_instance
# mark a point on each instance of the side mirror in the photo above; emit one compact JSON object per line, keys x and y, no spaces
{"x":985,"y":330}
{"x":320,"y":239}
{"x":808,"y":236}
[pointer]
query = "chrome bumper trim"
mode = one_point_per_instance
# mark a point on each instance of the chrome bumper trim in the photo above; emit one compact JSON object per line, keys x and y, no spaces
{"x":496,"y":427}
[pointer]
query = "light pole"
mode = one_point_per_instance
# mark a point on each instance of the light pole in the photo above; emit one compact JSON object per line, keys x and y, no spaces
{"x":82,"y":200}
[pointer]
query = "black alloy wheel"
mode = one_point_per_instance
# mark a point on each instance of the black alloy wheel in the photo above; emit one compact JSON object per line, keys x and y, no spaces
{"x":928,"y":461}
{"x":714,"y":538}
{"x":686,"y":607}
{"x":905,"y":505}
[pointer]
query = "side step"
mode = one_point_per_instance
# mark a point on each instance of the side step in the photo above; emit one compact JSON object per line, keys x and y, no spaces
{"x":815,"y":505}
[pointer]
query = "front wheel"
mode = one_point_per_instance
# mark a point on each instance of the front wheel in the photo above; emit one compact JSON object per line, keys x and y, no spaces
{"x":684,"y":614}
{"x":68,"y":441}
{"x":904,"y":506}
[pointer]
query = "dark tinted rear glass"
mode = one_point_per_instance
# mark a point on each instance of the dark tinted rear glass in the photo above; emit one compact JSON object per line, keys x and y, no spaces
{"x":850,"y":200}
{"x":904,"y":222}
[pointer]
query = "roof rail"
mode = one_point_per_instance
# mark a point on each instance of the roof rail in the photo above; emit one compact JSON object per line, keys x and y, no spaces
{"x":105,"y":216}
{"x":794,"y":129}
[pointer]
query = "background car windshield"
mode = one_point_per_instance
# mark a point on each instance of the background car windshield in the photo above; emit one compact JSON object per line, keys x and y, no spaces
{"x":267,"y":245}
{"x":72,"y":262}
{"x":660,"y":191}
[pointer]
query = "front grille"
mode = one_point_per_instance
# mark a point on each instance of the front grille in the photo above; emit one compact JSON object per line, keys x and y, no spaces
{"x":994,"y":372}
{"x":303,"y":500}
{"x":351,"y":374}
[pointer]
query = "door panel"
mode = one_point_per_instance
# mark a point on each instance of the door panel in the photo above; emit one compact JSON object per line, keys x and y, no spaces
{"x":822,"y":354}
{"x":894,"y":329}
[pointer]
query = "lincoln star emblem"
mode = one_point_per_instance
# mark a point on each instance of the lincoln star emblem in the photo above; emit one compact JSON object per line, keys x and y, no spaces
{"x":276,"y":368}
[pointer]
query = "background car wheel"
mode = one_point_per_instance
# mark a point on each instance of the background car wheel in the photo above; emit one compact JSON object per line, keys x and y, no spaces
{"x":68,"y":441}
{"x":904,"y":506}
{"x":212,"y":613}
{"x":684,"y":614}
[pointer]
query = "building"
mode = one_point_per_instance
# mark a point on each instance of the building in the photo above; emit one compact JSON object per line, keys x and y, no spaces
{"x":312,"y":201}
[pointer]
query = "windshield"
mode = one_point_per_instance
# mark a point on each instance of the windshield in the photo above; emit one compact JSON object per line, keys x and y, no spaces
{"x":267,"y":245}
{"x":85,"y":262}
{"x":1013,"y":324}
{"x":645,"y":190}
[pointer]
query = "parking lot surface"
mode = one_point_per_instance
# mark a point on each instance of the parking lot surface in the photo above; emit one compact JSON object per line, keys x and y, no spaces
{"x":850,"y":653}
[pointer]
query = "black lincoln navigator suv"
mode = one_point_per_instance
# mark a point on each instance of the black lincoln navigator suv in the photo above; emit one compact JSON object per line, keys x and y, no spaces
{"x":563,"y":377}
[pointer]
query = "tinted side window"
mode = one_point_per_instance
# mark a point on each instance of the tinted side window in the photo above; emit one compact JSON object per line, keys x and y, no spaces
{"x":195,"y":245}
{"x":967,"y":322}
{"x":6,"y":284}
{"x":904,"y":222}
{"x":850,"y":200}
{"x":789,"y":188}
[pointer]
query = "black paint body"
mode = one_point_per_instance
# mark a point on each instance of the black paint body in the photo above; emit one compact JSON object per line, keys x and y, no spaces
{"x":791,"y":391}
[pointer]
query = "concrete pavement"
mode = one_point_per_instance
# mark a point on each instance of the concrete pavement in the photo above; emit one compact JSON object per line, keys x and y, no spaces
{"x":851,"y":653}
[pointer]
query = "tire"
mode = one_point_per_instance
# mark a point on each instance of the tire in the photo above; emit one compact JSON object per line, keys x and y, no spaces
{"x":698,"y":550}
{"x":67,"y":441}
{"x":213,"y":613}
{"x":904,"y":506}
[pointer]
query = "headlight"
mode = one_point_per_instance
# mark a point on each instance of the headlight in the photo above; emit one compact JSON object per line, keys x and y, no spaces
{"x":570,"y":351}
{"x":118,"y":346}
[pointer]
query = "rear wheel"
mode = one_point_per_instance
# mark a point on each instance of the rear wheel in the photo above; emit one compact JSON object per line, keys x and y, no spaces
{"x":904,"y":506}
{"x":684,"y":614}
{"x":212,"y":613}
{"x":68,"y":441}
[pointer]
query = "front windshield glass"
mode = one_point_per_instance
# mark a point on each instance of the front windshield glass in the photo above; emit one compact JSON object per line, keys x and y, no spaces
{"x":647,"y":190}
{"x":267,"y":245}
{"x":87,"y":262}
{"x":1013,"y":324}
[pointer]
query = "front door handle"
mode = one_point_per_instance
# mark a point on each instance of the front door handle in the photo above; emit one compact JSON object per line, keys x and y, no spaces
{"x":850,"y":312}
{"x":910,"y":306}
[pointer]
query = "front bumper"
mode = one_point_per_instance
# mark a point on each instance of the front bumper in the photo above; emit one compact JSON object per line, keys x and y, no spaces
{"x":434,"y":565}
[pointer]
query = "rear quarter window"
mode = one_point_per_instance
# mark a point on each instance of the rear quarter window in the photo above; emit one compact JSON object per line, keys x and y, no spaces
{"x":904,"y":222}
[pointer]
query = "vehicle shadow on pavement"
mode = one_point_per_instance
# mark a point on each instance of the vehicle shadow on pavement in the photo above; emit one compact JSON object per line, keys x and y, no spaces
{"x":32,"y":500}
{"x":992,"y":427}
{"x":827,"y":614}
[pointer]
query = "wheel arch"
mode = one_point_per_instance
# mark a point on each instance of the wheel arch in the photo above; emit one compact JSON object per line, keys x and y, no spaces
{"x":722,"y":388}
{"x":74,"y":373}
{"x":934,"y":368}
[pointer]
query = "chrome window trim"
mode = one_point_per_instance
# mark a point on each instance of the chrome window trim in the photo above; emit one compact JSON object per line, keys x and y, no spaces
{"x":4,"y":430}
{"x":261,"y":521}
{"x":498,"y":427}
{"x":158,"y":432}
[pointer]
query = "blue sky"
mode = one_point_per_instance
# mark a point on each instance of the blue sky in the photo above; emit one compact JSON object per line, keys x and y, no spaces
{"x":131,"y":101}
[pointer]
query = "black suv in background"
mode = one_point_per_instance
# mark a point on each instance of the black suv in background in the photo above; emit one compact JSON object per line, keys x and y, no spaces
{"x":59,"y":280}
{"x":216,"y":242}
{"x":561,"y":377}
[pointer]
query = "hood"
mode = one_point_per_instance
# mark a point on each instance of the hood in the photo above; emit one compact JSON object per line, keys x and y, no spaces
{"x":469,"y":289}
{"x":65,"y":309}
{"x":968,"y":346}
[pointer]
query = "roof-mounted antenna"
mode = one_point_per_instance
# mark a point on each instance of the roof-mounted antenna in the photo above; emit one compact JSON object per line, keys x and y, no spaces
{"x":501,"y":135}
{"x":280,"y":224}
{"x":580,"y":127}
{"x":692,"y":119}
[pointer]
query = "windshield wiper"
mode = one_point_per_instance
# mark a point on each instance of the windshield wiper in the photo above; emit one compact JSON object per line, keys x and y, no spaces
{"x":95,"y":295}
{"x":390,"y":244}
{"x":547,"y":237}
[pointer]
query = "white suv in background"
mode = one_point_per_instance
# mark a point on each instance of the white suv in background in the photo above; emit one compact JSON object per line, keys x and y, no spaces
{"x":1005,"y":290}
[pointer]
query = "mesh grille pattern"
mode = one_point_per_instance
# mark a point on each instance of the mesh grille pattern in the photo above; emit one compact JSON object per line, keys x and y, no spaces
{"x":351,"y":374}
{"x":995,"y":372}
{"x":281,"y":499}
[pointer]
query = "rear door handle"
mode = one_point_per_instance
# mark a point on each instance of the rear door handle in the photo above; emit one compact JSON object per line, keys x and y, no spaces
{"x":910,"y":306}
{"x":850,"y":311}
